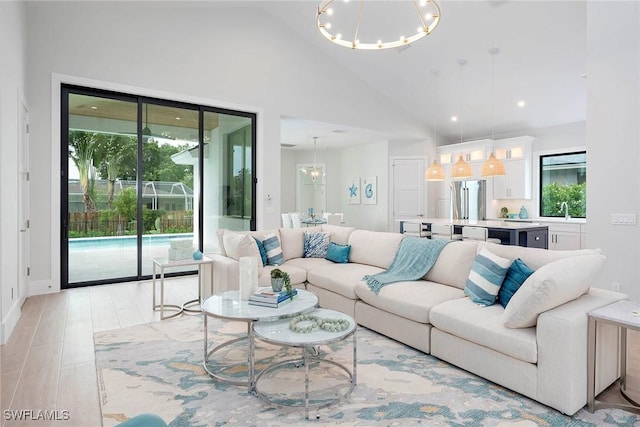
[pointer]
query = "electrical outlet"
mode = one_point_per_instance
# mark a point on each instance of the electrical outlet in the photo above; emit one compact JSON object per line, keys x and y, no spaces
{"x":616,"y":287}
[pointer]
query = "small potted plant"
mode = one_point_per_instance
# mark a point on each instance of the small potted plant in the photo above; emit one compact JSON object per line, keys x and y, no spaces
{"x":279,"y":279}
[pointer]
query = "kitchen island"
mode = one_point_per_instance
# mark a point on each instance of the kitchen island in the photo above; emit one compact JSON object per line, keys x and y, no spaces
{"x":527,"y":234}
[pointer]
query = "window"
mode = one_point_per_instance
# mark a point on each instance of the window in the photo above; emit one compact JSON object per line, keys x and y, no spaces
{"x":563,"y":179}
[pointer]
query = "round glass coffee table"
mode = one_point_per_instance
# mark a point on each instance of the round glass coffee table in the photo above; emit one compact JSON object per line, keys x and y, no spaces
{"x":320,"y":327}
{"x":229,"y":306}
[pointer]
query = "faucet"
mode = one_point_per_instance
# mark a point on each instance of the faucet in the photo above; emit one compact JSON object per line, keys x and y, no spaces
{"x":564,"y":206}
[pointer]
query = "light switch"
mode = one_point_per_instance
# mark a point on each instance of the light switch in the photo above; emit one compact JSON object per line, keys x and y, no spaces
{"x":623,"y":219}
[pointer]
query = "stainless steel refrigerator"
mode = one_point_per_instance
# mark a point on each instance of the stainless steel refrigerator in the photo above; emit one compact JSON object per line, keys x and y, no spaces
{"x":468,"y":199}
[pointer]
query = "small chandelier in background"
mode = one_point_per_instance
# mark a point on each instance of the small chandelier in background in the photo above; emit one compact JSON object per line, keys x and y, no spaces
{"x":331,"y":16}
{"x":315,"y":171}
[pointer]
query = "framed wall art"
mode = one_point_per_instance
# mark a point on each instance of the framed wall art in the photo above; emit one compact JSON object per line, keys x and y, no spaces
{"x":370,"y":190}
{"x":353,"y":191}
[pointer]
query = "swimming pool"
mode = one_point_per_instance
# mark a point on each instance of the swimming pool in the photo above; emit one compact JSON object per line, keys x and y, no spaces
{"x":119,"y":242}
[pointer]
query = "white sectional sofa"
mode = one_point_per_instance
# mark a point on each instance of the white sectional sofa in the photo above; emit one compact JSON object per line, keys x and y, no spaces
{"x":544,"y":359}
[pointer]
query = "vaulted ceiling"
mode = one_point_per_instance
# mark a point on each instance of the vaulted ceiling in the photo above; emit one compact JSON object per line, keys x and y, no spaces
{"x":542,"y":62}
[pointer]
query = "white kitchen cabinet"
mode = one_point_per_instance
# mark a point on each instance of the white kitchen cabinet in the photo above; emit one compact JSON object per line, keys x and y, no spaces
{"x":516,"y":184}
{"x":515,"y":154}
{"x":564,"y":236}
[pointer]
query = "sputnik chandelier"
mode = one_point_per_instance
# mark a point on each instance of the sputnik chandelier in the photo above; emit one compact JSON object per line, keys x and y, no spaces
{"x":343,"y":22}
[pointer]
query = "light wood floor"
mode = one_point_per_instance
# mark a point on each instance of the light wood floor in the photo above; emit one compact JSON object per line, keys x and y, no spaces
{"x":48,"y":362}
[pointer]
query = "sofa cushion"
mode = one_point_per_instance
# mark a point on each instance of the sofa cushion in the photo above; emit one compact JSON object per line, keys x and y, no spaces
{"x":316,"y":244}
{"x":340,"y":278}
{"x":237,"y":245}
{"x":485,"y":278}
{"x":534,"y":257}
{"x":516,"y":276}
{"x":375,"y":248}
{"x":262,"y":250}
{"x":308,"y":263}
{"x":297,"y":275}
{"x":454,"y":264}
{"x":550,"y":286}
{"x":411,"y":300}
{"x":338,"y":253}
{"x":339,"y":234}
{"x":274,"y":251}
{"x":484,"y":326}
{"x":292,"y":241}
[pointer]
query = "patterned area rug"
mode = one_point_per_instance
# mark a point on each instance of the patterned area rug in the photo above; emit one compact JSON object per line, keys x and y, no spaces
{"x":157,"y":368}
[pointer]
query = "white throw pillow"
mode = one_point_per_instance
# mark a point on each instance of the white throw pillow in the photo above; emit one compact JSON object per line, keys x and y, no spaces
{"x":238,"y":245}
{"x":551,"y":285}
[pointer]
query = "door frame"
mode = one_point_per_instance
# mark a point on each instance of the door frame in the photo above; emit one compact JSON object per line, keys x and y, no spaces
{"x":24,"y":211}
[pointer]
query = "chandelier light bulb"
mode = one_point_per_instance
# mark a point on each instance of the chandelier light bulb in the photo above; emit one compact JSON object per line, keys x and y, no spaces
{"x":425,"y":13}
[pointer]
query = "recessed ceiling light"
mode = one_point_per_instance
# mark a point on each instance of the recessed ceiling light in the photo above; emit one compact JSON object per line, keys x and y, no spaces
{"x":93,"y":107}
{"x":454,"y":118}
{"x":178,"y":118}
{"x":521,"y":104}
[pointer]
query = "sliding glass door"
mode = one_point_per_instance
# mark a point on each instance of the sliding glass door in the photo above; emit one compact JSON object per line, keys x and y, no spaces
{"x":143,"y":177}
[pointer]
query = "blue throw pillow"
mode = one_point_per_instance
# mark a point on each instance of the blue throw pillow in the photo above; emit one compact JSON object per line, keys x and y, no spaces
{"x":273,"y":249}
{"x":315,"y":244}
{"x":263,"y":251}
{"x":516,"y":275}
{"x":486,"y":277}
{"x":338,"y":253}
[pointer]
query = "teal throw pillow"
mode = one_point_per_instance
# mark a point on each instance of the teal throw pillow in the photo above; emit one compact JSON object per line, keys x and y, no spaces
{"x":273,"y":249}
{"x":263,"y":251}
{"x":338,"y":253}
{"x":316,"y":244}
{"x":516,"y":275}
{"x":486,"y":277}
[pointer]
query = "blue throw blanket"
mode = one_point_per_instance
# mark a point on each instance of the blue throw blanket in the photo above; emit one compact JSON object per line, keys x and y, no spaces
{"x":414,"y":259}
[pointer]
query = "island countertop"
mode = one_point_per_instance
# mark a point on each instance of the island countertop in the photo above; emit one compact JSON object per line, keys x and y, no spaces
{"x":528,"y":234}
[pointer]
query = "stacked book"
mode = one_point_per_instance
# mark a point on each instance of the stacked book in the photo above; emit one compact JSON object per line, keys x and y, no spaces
{"x":269,"y":298}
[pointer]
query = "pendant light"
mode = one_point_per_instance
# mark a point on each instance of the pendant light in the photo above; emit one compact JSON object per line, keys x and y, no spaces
{"x":461,"y":169}
{"x":435,"y":172}
{"x":315,"y":172}
{"x":493,"y":166}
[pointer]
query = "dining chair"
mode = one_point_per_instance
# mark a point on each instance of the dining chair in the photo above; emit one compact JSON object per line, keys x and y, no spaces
{"x":416,"y":229}
{"x":444,"y":231}
{"x":477,"y":233}
{"x":334,"y":219}
{"x":295,"y":220}
{"x":286,"y":220}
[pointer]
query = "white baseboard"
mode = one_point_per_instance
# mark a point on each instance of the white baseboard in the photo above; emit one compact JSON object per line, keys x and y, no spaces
{"x":41,"y":287}
{"x":10,"y":321}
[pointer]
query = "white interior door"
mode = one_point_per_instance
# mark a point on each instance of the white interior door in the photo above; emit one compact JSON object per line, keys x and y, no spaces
{"x":408,"y":189}
{"x":23,"y":206}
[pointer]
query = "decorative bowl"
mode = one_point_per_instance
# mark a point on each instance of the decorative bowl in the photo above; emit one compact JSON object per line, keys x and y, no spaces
{"x":513,"y":215}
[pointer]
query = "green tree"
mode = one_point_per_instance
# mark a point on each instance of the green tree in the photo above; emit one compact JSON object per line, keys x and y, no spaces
{"x":126,"y":204}
{"x":158,"y":166}
{"x":81,"y":149}
{"x":115,"y":157}
{"x":575,"y":195}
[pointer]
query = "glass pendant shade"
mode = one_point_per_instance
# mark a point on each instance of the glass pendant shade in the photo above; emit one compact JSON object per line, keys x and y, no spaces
{"x":435,"y":172}
{"x":493,"y":167}
{"x":461,"y":169}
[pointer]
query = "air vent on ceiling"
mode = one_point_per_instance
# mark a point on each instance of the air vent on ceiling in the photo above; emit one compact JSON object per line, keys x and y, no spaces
{"x":287,"y":145}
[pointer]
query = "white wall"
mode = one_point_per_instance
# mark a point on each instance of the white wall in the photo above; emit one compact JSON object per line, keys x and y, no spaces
{"x":12,"y":68}
{"x":362,"y":161}
{"x":613,"y":138}
{"x":193,"y":50}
